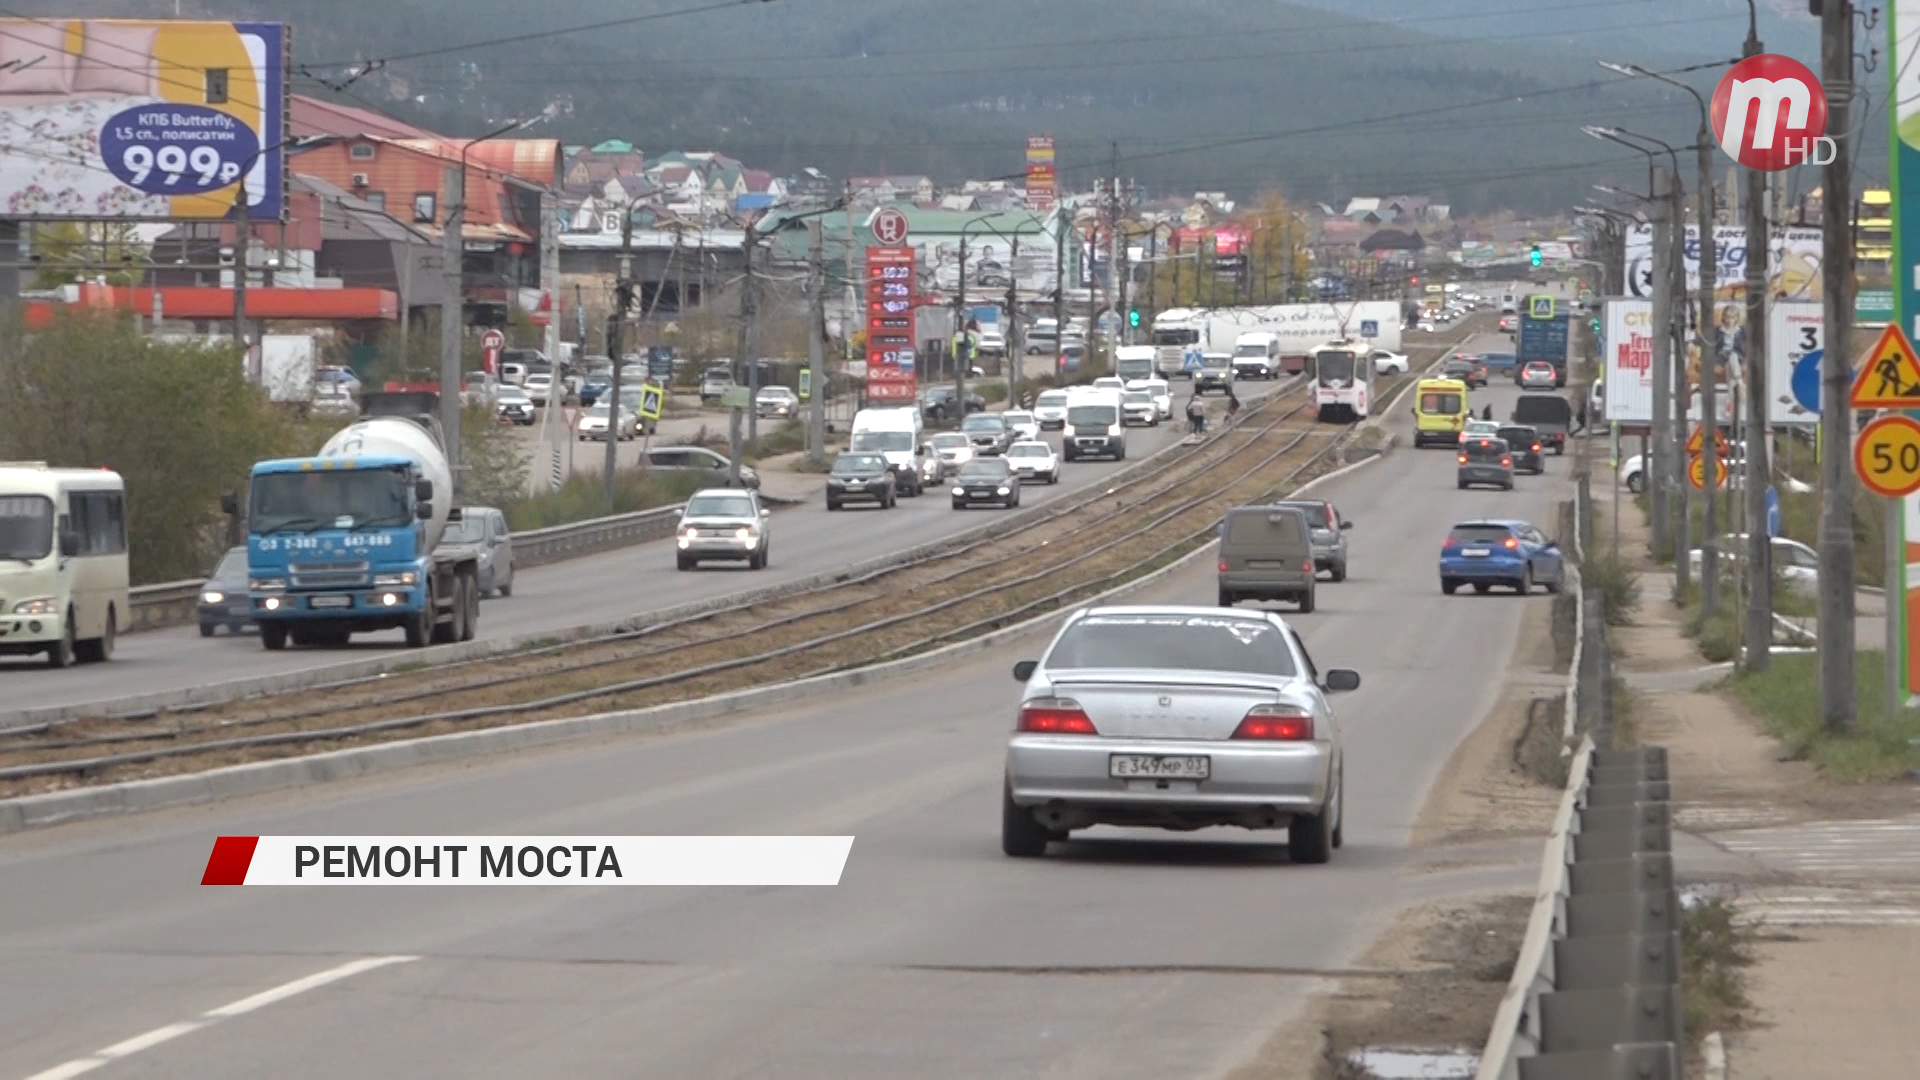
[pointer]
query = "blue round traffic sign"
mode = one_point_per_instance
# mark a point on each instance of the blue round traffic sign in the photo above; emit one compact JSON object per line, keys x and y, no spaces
{"x":168,"y":149}
{"x":1806,"y":381}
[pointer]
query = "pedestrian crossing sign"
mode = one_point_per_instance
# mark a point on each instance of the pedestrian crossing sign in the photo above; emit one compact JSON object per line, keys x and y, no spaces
{"x":651,"y":399}
{"x":1890,"y":379}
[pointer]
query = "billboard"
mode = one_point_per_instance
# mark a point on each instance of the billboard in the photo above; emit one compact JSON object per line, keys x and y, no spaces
{"x":140,"y":120}
{"x":1041,"y":189}
{"x":1793,"y":270}
{"x":1794,"y":329}
{"x":991,"y":264}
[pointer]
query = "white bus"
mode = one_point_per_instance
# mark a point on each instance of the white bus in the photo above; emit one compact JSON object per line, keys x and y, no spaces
{"x":1342,"y":386}
{"x":63,"y":561}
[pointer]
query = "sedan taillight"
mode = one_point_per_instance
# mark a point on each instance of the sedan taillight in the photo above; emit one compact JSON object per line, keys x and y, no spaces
{"x":1276,"y":723}
{"x":1055,"y":716}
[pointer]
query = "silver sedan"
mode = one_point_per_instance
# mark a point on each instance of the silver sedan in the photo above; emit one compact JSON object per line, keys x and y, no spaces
{"x":1175,"y":717}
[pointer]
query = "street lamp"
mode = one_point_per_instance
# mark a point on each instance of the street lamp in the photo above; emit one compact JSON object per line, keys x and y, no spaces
{"x":453,"y":300}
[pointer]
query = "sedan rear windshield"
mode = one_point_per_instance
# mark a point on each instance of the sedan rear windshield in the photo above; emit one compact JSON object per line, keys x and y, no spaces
{"x":1479,"y":534}
{"x":1029,"y":450}
{"x":1519,"y":436}
{"x":1486,"y":450}
{"x":1179,"y":642}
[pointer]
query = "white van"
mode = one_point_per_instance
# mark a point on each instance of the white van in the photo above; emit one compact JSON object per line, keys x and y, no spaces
{"x":1256,"y":355}
{"x":1095,"y":426}
{"x":894,"y":434}
{"x":1132,"y":362}
{"x":63,"y":561}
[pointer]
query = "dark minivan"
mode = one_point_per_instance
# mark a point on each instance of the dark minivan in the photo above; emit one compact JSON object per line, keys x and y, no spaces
{"x":1486,"y":463}
{"x":1266,"y":553}
{"x":1524,"y":444}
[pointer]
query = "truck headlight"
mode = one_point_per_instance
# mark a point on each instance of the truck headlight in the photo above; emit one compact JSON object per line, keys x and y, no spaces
{"x":266,"y":584}
{"x":211,"y":597}
{"x":39,"y":605}
{"x":408,"y":578}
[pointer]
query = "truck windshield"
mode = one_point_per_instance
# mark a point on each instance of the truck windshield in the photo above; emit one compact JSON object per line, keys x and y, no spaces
{"x":1333,"y":365}
{"x":1183,"y":335}
{"x":340,"y":499}
{"x":1091,"y":416}
{"x":26,"y":527}
{"x":882,"y":441}
{"x":1255,"y":349}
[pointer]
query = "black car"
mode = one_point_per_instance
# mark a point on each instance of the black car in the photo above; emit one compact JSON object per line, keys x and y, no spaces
{"x":223,"y":598}
{"x":1523,"y":443}
{"x":860,"y":477}
{"x":1486,"y":462}
{"x":988,"y":432}
{"x":1467,"y":369}
{"x":986,"y":482}
{"x":936,"y":403}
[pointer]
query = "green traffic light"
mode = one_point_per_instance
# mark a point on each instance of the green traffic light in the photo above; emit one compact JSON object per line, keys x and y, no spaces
{"x":1535,"y":256}
{"x":1133,"y":318}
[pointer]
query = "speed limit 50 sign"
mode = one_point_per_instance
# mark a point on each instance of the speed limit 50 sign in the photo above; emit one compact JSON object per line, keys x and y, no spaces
{"x":1886,"y":456}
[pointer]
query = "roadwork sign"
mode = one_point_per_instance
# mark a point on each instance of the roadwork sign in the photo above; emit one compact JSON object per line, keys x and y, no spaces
{"x":1890,"y":379}
{"x":1697,"y":472}
{"x":1697,"y":442}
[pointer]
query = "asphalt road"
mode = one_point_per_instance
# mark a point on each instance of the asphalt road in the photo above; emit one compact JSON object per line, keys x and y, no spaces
{"x":601,"y":588}
{"x":1122,"y":955}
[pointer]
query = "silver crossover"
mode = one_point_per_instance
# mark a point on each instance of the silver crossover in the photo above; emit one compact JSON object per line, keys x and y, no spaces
{"x":1175,"y":717}
{"x":724,"y":523}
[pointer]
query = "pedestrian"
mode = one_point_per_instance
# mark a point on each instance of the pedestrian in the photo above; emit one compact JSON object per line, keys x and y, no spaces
{"x":1196,"y":415}
{"x":1487,"y":413}
{"x":1233,"y":406}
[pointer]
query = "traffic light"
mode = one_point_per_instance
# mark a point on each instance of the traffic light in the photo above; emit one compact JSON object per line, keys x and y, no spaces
{"x":1535,"y":255}
{"x":1416,"y":279}
{"x":1133,"y":317}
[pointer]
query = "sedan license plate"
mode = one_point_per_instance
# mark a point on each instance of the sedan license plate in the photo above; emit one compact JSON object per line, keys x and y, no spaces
{"x":331,"y":601}
{"x":1475,"y":553}
{"x":1158,"y":766}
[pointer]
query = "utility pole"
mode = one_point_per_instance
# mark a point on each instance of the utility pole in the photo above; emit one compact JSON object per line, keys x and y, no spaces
{"x":1116,"y":250}
{"x":749,"y":344}
{"x":852,"y":317}
{"x":1836,"y":644}
{"x":1660,"y":473}
{"x":452,"y":316}
{"x":1759,"y":478}
{"x":1680,"y":395}
{"x":1710,"y":361}
{"x":1016,"y":357}
{"x":1153,"y":269}
{"x":1062,"y":221}
{"x":816,"y":345}
{"x":623,"y":299}
{"x":960,"y":353}
{"x":242,"y":236}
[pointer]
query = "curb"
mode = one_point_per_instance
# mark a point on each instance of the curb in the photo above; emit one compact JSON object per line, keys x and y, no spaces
{"x":326,"y":674}
{"x":35,"y":811}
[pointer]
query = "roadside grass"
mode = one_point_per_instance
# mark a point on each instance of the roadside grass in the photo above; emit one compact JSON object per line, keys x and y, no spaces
{"x":1786,"y":697}
{"x":1721,"y":637}
{"x":789,"y":437}
{"x":1714,"y":955}
{"x":1626,"y":716}
{"x":583,"y":497}
{"x":1613,"y":576}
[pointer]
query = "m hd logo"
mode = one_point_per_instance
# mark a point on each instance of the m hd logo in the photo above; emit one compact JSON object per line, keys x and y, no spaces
{"x":1770,"y":113}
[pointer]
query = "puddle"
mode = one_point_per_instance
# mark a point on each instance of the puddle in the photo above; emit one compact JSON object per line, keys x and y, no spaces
{"x":1401,"y":1064}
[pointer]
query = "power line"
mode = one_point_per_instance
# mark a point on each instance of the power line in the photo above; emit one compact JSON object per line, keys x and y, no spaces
{"x":1355,"y":26}
{"x":538,"y":35}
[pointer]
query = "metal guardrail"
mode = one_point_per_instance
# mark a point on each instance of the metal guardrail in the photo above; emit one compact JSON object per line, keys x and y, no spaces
{"x":172,"y":603}
{"x":1595,"y":992}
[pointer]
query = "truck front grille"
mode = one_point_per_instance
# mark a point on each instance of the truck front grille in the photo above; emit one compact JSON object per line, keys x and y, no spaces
{"x":327,"y":575}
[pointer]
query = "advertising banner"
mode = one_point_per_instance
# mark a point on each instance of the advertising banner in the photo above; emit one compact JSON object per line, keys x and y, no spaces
{"x":142,"y":120}
{"x":1628,"y":337}
{"x":1628,"y":342}
{"x":890,"y":317}
{"x":1793,"y":270}
{"x":1041,"y":189}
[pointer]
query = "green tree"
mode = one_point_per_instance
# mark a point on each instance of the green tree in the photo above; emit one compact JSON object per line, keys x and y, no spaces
{"x":179,"y":422}
{"x":71,"y":251}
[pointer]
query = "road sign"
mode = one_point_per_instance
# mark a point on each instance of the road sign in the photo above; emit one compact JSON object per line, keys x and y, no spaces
{"x":1192,"y":360}
{"x":1369,"y":328}
{"x":1540,"y":306}
{"x":491,"y":343}
{"x":1697,"y":442}
{"x":806,"y":383}
{"x":1886,"y":456}
{"x":651,"y":399}
{"x":1697,"y":472}
{"x":1806,"y":381}
{"x":890,"y":226}
{"x":735,"y":397}
{"x":1890,"y":379}
{"x":1773,"y":510}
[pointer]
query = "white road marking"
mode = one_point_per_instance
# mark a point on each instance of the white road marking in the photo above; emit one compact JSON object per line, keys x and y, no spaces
{"x":129,"y":1047}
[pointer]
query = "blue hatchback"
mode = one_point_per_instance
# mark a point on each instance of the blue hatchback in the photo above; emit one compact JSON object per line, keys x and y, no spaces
{"x":1511,"y":554}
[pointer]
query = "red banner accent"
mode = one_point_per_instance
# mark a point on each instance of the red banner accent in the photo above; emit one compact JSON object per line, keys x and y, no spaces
{"x":228,"y":863}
